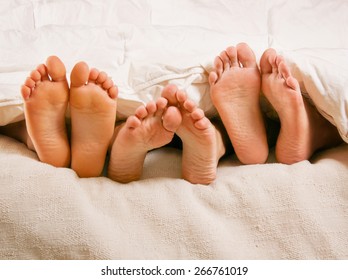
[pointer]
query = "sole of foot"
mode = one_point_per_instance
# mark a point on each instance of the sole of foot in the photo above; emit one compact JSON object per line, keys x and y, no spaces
{"x":93,"y":104}
{"x":46,"y":94}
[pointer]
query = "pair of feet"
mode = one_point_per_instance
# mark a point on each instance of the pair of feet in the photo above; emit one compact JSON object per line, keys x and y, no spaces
{"x":236,"y":83}
{"x":92,"y":99}
{"x":153,"y":126}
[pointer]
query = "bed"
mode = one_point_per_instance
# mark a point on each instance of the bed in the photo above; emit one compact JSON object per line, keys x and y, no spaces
{"x":267,"y":211}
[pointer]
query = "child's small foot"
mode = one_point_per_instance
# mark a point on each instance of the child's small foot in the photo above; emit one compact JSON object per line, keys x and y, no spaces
{"x":46,"y":95}
{"x":202,"y":142}
{"x":152,"y":126}
{"x":93,"y":102}
{"x":235,"y":92}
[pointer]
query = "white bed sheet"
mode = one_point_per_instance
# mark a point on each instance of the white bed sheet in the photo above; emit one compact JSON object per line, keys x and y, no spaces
{"x":144,"y":45}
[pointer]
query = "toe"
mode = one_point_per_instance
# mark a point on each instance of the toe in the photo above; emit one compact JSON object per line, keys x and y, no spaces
{"x":141,"y":112}
{"x":197,"y":114}
{"x":218,"y":65}
{"x":151,"y":108}
{"x":161,"y":103}
{"x":56,"y":69}
{"x":35,"y":76}
{"x":113,"y":92}
{"x":93,"y":75}
{"x":267,"y":61}
{"x":133,"y":122}
{"x":225,"y":61}
{"x":181,"y":96}
{"x":213,"y":77}
{"x":169,"y":93}
{"x":232,"y":54}
{"x":101,"y":78}
{"x":43,"y":72}
{"x":293,"y":83}
{"x":79,"y":75}
{"x":246,"y":56}
{"x":172,"y":119}
{"x":284,"y":70}
{"x":190,"y":106}
{"x":279,"y":59}
{"x":25,"y":91}
{"x":29,"y":82}
{"x":202,"y":123}
{"x":107,"y":84}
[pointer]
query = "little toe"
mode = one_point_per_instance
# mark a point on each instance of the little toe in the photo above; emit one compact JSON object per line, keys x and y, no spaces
{"x":113,"y":92}
{"x":25,"y":91}
{"x":213,"y":77}
{"x":79,"y":75}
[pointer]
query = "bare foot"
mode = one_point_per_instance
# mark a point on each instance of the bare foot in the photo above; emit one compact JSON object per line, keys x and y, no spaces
{"x":93,"y":101}
{"x":202,"y":142}
{"x":46,"y":95}
{"x":303,"y":129}
{"x":152,"y":126}
{"x":235,"y":92}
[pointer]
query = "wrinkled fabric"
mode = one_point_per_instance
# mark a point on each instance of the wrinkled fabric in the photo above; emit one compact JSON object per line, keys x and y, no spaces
{"x":144,"y":45}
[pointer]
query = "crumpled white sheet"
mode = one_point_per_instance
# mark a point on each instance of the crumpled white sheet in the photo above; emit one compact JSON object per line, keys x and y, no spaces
{"x":143,"y":45}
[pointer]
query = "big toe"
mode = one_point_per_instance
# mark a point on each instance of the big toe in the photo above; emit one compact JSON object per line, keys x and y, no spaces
{"x":56,"y":69}
{"x":169,"y":93}
{"x":79,"y":75}
{"x":246,"y":56}
{"x":172,"y":119}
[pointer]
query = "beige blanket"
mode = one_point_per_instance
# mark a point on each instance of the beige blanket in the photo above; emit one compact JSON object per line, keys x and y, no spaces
{"x":270,"y":211}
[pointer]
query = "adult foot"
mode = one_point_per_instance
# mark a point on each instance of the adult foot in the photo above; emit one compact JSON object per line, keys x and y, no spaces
{"x":46,"y":94}
{"x":303,"y":129}
{"x":235,"y":92}
{"x":152,"y":126}
{"x":202,"y":142}
{"x":93,"y":102}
